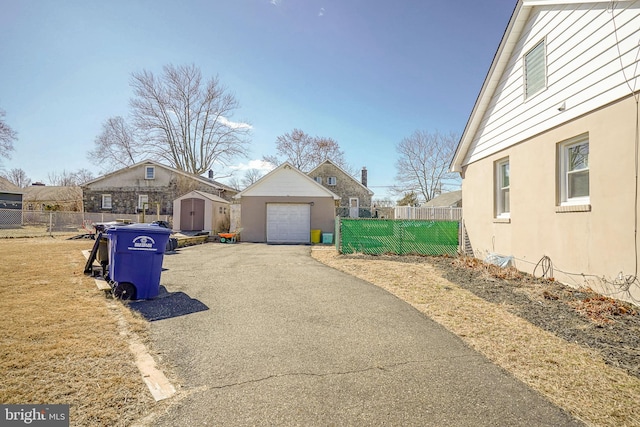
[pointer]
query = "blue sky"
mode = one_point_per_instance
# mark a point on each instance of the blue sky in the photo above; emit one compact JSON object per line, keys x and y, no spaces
{"x":366,"y":73}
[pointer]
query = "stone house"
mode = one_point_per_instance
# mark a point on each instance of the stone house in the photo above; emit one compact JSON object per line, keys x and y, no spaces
{"x":148,"y":186}
{"x":355,"y":198}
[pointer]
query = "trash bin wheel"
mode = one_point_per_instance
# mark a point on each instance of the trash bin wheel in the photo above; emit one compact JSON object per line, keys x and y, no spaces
{"x":125,"y":291}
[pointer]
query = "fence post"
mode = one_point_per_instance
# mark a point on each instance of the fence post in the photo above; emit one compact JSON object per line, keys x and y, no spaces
{"x":51,"y":224}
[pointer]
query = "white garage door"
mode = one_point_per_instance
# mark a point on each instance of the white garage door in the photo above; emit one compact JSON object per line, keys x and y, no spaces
{"x":288,"y":223}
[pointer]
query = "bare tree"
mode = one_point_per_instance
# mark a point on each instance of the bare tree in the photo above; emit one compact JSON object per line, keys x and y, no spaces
{"x":69,"y":179}
{"x":83,"y":175}
{"x":306,"y":152}
{"x":17,"y":177}
{"x":7,"y":137}
{"x":423,"y":164}
{"x":251,"y":176}
{"x":186,"y":121}
{"x":116,"y":146}
{"x":234,"y":183}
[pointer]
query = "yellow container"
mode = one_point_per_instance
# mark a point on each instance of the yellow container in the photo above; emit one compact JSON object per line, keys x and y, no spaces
{"x":315,"y":236}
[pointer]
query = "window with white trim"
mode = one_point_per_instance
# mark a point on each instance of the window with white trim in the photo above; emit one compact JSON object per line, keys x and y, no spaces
{"x":503,"y":205}
{"x":143,"y":201}
{"x":535,"y":70}
{"x":106,"y":201}
{"x":318,"y":179}
{"x":332,"y":180}
{"x":573,"y":162}
{"x":150,"y":172}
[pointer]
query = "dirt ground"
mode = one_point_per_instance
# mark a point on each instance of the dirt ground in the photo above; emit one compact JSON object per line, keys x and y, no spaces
{"x":578,"y":349}
{"x":580,"y":316}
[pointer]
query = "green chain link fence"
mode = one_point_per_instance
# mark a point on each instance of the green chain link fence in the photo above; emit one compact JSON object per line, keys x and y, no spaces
{"x":379,"y":236}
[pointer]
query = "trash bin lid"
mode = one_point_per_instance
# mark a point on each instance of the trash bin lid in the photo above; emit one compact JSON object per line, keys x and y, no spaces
{"x":137,"y":228}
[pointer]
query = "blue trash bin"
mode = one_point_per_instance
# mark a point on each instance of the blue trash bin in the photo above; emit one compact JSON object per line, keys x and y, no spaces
{"x":135,"y":259}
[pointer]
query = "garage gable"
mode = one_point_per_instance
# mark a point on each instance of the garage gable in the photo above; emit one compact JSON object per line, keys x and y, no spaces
{"x":286,"y":180}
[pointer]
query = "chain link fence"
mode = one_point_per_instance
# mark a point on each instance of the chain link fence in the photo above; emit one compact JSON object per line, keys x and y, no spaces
{"x":18,"y":223}
{"x":380,"y":236}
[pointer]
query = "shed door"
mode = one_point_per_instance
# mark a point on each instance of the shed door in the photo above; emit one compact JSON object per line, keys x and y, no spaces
{"x":288,"y":223}
{"x":192,"y":214}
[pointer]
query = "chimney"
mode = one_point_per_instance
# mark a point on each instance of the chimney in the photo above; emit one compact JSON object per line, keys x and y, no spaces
{"x":210,"y":174}
{"x":364,"y":176}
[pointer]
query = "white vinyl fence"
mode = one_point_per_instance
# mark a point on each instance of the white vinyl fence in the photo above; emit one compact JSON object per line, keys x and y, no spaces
{"x":428,"y":213}
{"x":18,"y":223}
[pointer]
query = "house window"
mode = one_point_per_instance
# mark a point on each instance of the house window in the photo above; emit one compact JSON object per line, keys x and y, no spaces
{"x":143,"y":201}
{"x":150,"y":172}
{"x":503,"y":208}
{"x":331,"y":180}
{"x":106,"y":201}
{"x":574,"y":171}
{"x":318,"y":179}
{"x":535,"y":70}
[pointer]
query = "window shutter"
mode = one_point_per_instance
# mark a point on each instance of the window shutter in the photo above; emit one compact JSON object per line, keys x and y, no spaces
{"x":535,"y":70}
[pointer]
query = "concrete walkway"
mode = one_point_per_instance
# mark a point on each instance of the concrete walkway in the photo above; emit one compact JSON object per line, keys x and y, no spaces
{"x":265,"y":335}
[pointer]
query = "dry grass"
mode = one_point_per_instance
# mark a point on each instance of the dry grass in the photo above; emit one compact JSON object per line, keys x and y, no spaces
{"x":59,"y":340}
{"x":568,"y":375}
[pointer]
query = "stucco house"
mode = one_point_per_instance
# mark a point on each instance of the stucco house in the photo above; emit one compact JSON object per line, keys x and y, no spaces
{"x":355,"y":197}
{"x":10,"y":204}
{"x":147,"y":185}
{"x":52,"y":198}
{"x":556,"y":121}
{"x":284,"y":206}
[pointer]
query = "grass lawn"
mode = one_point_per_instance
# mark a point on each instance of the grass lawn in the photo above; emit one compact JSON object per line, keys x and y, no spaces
{"x":59,"y":337}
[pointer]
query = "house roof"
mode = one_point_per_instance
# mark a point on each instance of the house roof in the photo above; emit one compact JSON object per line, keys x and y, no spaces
{"x":445,"y":200}
{"x":7,"y":186}
{"x":286,"y":180}
{"x":199,"y":178}
{"x":205,"y":195}
{"x":498,"y":65}
{"x":514,"y":31}
{"x":344,"y":172}
{"x":52,"y":193}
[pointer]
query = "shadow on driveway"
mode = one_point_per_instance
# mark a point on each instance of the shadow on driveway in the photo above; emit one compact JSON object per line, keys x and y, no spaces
{"x":167,"y":305}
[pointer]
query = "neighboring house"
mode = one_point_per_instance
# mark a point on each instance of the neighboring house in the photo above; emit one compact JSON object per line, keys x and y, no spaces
{"x":199,"y":211}
{"x":10,"y":204}
{"x":452,"y":199}
{"x":549,"y":153}
{"x":284,"y":206}
{"x":52,"y":198}
{"x":146,"y":185}
{"x":355,"y":197}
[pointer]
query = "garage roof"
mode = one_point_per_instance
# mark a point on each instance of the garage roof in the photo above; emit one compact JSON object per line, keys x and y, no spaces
{"x":286,"y":180}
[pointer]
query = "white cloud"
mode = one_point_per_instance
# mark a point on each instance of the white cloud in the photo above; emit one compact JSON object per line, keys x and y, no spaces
{"x":234,"y":125}
{"x":321,"y":13}
{"x":254,"y":164}
{"x":275,"y":2}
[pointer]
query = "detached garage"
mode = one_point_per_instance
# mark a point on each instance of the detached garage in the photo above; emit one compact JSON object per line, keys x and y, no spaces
{"x":284,"y":206}
{"x":200,"y":211}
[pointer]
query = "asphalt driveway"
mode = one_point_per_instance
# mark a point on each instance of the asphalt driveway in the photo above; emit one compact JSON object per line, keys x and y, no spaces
{"x":266,"y":335}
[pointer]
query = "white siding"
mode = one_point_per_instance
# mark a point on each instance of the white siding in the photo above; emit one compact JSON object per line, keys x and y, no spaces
{"x":584,"y":72}
{"x":286,"y":182}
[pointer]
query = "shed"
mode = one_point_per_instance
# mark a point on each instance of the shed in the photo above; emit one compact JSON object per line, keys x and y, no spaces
{"x":10,"y":204}
{"x":284,"y":206}
{"x":200,"y":211}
